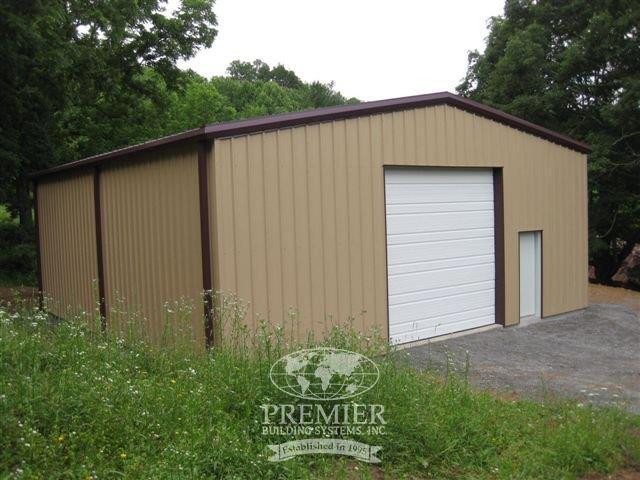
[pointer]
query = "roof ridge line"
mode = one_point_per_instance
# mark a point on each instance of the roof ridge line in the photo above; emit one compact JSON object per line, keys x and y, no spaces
{"x":326,"y":114}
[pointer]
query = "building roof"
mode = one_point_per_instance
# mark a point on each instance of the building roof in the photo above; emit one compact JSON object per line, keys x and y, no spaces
{"x":271,"y":122}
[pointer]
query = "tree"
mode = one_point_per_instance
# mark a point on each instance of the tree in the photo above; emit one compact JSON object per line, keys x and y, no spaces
{"x":574,"y":66}
{"x":259,"y":70}
{"x":80,"y":74}
{"x":312,"y":95}
{"x":250,"y":90}
{"x":30,"y":92}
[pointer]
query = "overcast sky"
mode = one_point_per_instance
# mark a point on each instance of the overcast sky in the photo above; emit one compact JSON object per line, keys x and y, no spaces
{"x":370,"y":49}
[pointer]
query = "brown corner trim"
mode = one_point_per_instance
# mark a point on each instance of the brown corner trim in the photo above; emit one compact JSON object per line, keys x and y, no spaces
{"x":38,"y":251}
{"x":327,"y":114}
{"x":498,"y":226}
{"x":205,"y":240}
{"x":102,"y":301}
{"x":541,"y":273}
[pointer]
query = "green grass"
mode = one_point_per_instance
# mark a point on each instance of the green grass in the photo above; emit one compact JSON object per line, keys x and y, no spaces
{"x":74,"y":404}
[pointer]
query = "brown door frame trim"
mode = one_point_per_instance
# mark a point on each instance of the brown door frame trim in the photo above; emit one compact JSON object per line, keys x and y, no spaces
{"x":102,"y":299}
{"x":498,"y":235}
{"x":205,"y":240}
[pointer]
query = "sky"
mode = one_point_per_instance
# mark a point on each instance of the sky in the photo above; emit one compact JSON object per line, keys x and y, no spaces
{"x":371,"y":49}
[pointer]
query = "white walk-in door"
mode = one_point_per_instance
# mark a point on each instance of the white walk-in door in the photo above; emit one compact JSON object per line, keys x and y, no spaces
{"x":530,"y":269}
{"x":440,"y":251}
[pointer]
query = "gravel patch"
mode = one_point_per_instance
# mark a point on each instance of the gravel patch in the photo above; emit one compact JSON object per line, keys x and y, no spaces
{"x":592,"y":356}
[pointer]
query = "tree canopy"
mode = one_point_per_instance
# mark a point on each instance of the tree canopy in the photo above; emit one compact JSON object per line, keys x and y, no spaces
{"x":80,"y":78}
{"x":248,"y":90}
{"x":75,"y":72}
{"x":574,"y":66}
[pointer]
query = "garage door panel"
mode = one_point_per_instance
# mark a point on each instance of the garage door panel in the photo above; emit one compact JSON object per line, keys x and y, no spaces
{"x":438,"y":279}
{"x":428,"y":328}
{"x":438,"y":222}
{"x":440,"y":251}
{"x":441,"y":175}
{"x":431,"y":293}
{"x":444,"y":207}
{"x":409,"y":312}
{"x":430,"y":322}
{"x":406,"y":238}
{"x":422,"y":252}
{"x":438,"y":264}
{"x":437,"y":193}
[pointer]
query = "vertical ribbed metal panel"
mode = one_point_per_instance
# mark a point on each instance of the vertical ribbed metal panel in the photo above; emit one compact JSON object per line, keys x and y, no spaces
{"x":151,"y":238}
{"x":68,"y":243}
{"x":299,"y":213}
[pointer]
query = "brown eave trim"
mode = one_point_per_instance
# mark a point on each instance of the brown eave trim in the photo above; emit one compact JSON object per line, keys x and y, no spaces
{"x":205,"y":240}
{"x":241,"y":127}
{"x":121,"y":152}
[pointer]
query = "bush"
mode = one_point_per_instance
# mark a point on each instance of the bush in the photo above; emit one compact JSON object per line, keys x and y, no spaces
{"x":17,"y":254}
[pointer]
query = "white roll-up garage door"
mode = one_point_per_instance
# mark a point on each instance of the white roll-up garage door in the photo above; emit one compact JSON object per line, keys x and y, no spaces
{"x":440,"y":251}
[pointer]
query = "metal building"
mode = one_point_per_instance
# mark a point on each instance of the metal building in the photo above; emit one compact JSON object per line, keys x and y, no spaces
{"x":421,"y":216}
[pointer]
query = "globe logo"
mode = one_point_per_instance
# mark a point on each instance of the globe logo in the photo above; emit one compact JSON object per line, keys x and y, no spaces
{"x":324,"y":374}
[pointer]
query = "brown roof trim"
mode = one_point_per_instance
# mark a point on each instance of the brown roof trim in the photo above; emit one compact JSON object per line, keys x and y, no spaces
{"x":272,"y":122}
{"x":121,"y":152}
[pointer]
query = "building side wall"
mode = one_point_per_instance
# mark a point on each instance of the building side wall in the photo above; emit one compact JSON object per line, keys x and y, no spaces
{"x":298,"y":214}
{"x":151,"y":242}
{"x":68,"y":243}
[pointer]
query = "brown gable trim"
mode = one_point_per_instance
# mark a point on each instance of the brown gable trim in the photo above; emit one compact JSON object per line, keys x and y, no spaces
{"x":518,"y":123}
{"x":381,"y":106}
{"x":241,"y":127}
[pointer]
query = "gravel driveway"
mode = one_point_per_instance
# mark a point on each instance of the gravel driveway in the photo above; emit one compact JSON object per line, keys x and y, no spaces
{"x":591,"y":355}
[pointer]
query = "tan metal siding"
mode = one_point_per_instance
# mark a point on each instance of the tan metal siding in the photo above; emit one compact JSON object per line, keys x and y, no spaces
{"x":68,"y":243}
{"x":151,"y":238}
{"x":300,"y":211}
